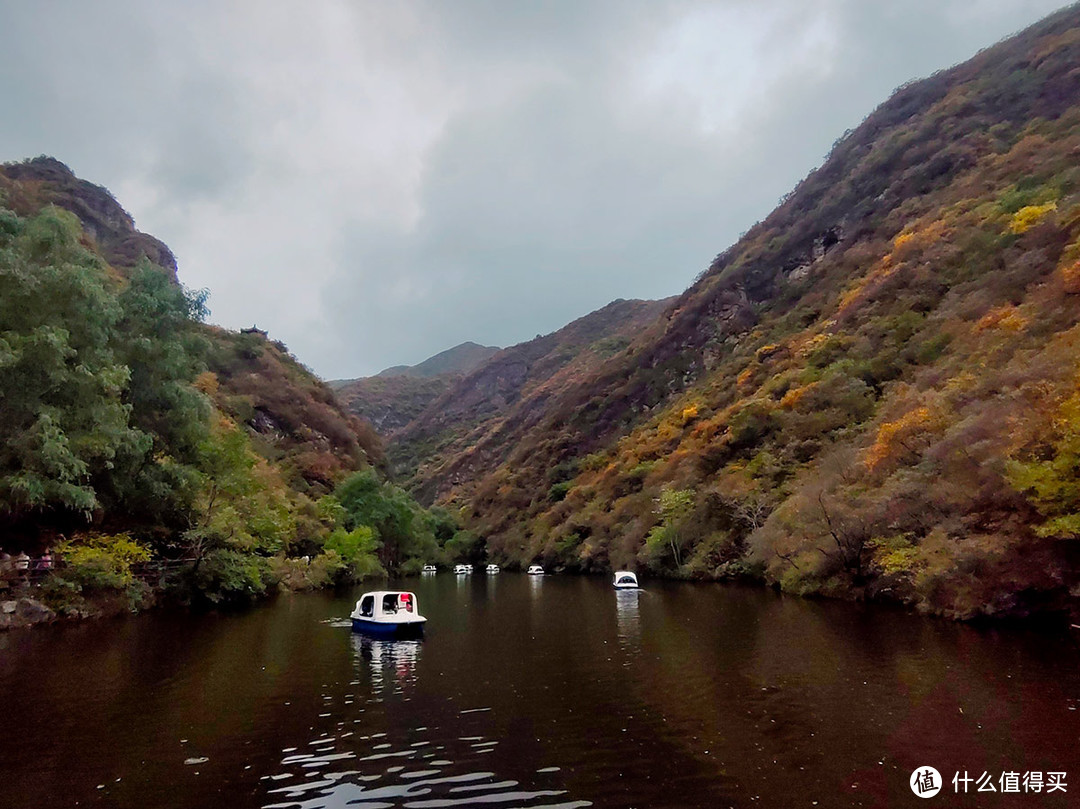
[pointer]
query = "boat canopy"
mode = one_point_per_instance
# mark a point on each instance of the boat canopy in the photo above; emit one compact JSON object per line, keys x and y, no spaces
{"x":380,"y":604}
{"x":626,"y":578}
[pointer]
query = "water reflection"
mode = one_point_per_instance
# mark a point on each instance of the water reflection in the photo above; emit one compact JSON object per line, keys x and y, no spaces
{"x":359,"y":757}
{"x":628,"y":616}
{"x":319,"y":784}
{"x":679,"y":696}
{"x":394,"y":658}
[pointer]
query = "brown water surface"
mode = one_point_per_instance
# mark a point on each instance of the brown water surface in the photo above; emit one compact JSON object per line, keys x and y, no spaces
{"x":533,"y":692}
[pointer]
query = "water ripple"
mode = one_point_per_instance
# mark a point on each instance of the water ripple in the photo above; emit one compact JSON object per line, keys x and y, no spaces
{"x":431,"y":767}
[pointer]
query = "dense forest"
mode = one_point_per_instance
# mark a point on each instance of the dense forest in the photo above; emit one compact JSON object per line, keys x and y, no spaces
{"x":145,"y":454}
{"x":874,"y":393}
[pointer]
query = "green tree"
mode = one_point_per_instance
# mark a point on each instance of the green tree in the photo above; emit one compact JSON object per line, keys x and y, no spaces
{"x":358,"y":551}
{"x":402,"y":527}
{"x":62,"y":413}
{"x":673,"y":506}
{"x":243,"y":517}
{"x":158,"y":341}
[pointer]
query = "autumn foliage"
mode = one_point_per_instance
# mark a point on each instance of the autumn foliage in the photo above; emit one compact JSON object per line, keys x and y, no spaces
{"x":880,"y":375}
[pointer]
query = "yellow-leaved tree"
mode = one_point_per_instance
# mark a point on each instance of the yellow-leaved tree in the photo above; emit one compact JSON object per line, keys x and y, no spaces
{"x":1052,"y":483}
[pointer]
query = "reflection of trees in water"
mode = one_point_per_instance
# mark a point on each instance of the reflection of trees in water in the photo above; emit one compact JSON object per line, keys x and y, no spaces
{"x":383,"y":656}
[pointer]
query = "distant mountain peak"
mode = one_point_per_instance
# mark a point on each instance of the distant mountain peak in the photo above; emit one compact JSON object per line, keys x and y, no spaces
{"x":460,"y":359}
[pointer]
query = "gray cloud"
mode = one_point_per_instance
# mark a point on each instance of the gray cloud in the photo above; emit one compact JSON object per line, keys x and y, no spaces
{"x":375,"y":182}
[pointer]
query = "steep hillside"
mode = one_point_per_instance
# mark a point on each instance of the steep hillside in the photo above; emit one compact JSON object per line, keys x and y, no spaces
{"x":873,"y":393}
{"x":437,"y":449}
{"x":144,"y":452}
{"x":391,"y":399}
{"x":289,"y":411}
{"x":390,"y":403}
{"x":292,"y":415}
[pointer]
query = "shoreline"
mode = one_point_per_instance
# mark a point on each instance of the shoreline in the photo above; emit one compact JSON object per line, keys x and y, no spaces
{"x":29,"y":606}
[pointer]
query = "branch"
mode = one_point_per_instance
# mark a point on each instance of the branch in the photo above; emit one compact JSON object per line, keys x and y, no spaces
{"x":786,"y":557}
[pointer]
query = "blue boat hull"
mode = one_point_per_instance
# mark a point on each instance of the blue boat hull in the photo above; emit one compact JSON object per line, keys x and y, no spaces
{"x":388,"y":630}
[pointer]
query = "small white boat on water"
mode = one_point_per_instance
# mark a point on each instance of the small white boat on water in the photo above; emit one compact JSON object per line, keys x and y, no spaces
{"x":430,"y":569}
{"x":388,"y":613}
{"x":535,"y":570}
{"x":493,"y":568}
{"x":463,"y":570}
{"x":625,"y":580}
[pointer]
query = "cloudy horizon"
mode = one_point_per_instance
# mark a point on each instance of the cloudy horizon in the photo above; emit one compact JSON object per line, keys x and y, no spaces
{"x":376,"y":182}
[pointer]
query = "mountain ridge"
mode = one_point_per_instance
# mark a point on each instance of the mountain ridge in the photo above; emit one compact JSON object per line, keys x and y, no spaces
{"x":390,"y":399}
{"x":773,"y":421}
{"x":411,"y":411}
{"x":512,"y":385}
{"x":460,"y":359}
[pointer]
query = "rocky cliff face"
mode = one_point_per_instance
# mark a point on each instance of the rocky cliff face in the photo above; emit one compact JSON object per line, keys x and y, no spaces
{"x":18,"y":613}
{"x":31,"y":184}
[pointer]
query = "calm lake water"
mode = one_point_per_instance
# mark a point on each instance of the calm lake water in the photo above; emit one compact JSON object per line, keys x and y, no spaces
{"x":529,"y":692}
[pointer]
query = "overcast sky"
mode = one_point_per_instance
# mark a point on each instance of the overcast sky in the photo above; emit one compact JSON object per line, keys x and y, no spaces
{"x":374,"y":182}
